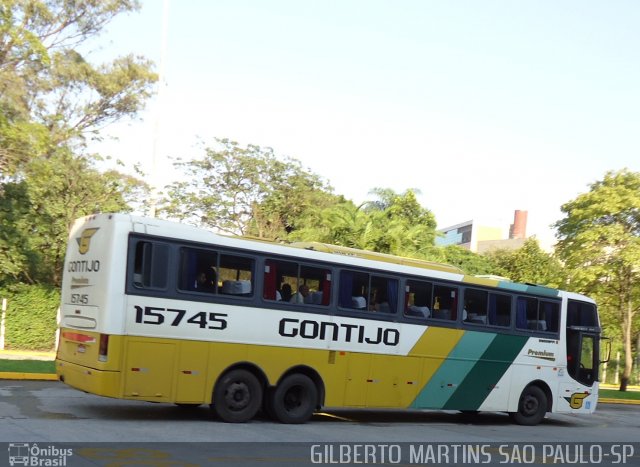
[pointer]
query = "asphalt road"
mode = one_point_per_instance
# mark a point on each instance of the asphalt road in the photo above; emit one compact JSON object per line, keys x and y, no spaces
{"x":52,"y":414}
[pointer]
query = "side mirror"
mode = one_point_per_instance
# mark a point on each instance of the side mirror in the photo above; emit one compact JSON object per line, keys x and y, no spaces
{"x":605,"y":350}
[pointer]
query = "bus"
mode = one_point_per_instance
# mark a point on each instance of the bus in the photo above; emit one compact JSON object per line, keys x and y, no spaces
{"x":158,"y":311}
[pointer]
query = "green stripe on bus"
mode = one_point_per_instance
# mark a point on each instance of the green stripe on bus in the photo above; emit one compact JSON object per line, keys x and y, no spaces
{"x":453,"y":370}
{"x":492,"y":365}
{"x":529,"y":289}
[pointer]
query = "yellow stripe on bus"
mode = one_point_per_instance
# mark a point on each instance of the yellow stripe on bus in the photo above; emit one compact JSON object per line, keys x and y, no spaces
{"x":433,"y":348}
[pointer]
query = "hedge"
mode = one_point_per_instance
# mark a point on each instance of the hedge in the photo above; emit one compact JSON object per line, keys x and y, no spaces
{"x":30,"y":322}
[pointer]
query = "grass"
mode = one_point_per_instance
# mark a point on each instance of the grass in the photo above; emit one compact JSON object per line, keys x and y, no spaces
{"x":27,"y":366}
{"x":615,"y":394}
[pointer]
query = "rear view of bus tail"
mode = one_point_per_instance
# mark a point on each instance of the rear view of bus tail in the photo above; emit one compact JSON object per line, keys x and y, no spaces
{"x":87,"y":351}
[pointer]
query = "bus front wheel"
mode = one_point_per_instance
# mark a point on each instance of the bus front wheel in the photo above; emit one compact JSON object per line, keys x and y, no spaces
{"x":294,"y":399}
{"x":237,"y":396}
{"x":532,"y":407}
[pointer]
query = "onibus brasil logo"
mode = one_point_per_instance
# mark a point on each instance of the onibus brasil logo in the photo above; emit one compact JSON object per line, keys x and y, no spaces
{"x":34,"y":455}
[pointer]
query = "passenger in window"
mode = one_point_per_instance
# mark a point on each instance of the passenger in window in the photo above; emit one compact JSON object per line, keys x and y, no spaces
{"x":441,"y":308}
{"x":303,"y":292}
{"x":465,"y":314}
{"x":205,"y":282}
{"x":285,"y":292}
{"x":380,"y":302}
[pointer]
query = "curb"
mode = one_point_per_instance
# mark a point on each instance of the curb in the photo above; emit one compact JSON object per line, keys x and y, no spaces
{"x":24,"y":355}
{"x":605,"y":400}
{"x":29,"y":376}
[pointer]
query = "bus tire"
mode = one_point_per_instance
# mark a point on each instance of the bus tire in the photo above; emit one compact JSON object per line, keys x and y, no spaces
{"x":532,"y":407}
{"x":294,"y":399}
{"x":237,"y":396}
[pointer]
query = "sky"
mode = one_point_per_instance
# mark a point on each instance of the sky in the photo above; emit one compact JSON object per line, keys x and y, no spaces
{"x":484,"y":106}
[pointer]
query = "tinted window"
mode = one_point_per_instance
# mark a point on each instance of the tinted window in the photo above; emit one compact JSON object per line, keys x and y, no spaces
{"x":499,"y":310}
{"x":198,"y":270}
{"x":151,"y":264}
{"x":368,"y":292}
{"x":418,"y":299}
{"x":291,"y":282}
{"x":537,"y":315}
{"x":210,"y":272}
{"x":483,"y":307}
{"x":445,"y":303}
{"x":475,"y":306}
{"x":581,"y":314}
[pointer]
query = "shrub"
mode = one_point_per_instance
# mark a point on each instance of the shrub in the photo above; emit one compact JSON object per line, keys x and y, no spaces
{"x":31,"y":316}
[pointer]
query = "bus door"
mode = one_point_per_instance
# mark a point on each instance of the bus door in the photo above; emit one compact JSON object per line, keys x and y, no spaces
{"x":583,"y":356}
{"x":583,"y":342}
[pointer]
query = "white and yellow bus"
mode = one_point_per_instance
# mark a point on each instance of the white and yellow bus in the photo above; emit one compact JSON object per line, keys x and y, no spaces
{"x":158,"y":311}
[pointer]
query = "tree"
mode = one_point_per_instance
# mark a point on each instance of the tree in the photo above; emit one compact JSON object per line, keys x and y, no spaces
{"x":37,"y":212}
{"x":528,"y":264}
{"x":244,"y":191}
{"x":467,"y":260}
{"x":52,"y":100}
{"x":403,"y":227}
{"x":50,"y":96}
{"x":600,"y":245}
{"x":392,"y":223}
{"x":343,"y":224}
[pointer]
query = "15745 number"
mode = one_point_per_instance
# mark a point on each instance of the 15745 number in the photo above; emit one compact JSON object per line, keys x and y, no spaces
{"x":156,"y":315}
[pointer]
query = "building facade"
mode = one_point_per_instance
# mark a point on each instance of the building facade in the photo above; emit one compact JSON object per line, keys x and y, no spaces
{"x":479,"y":237}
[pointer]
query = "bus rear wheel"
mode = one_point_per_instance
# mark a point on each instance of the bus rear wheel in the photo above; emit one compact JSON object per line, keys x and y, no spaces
{"x":293,"y":400}
{"x":532,"y":407}
{"x":237,"y":396}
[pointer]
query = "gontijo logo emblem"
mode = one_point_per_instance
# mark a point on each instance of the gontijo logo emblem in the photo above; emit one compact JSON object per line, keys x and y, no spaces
{"x":84,"y":240}
{"x":576,"y":400}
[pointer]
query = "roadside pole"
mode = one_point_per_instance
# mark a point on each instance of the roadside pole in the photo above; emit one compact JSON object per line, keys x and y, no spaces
{"x":4,"y":314}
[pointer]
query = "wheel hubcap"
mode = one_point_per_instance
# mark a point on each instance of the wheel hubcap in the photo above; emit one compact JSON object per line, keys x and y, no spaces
{"x":293,"y":398}
{"x":237,"y":396}
{"x":530,"y":405}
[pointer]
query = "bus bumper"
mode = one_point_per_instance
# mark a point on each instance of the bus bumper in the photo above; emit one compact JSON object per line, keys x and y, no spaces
{"x":102,"y":383}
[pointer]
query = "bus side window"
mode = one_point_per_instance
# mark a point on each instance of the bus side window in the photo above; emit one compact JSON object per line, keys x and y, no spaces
{"x":318,"y":282}
{"x":151,"y":265}
{"x":417,"y":299}
{"x":475,"y":306}
{"x":236,"y":275}
{"x":384,"y":294}
{"x":445,"y":303}
{"x":500,"y":310}
{"x":581,"y":314}
{"x":353,"y":290}
{"x":527,"y":313}
{"x":198,"y":270}
{"x":549,"y":314}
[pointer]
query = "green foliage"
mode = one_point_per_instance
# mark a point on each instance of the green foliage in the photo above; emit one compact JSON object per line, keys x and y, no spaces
{"x":245,"y":191}
{"x":600,"y":245}
{"x":50,"y":96}
{"x":528,"y":264}
{"x":394,"y":224}
{"x":37,"y":212}
{"x":468,"y":261}
{"x":31,"y":316}
{"x":51,"y":100}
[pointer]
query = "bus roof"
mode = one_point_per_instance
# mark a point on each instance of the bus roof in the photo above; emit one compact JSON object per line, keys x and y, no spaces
{"x":440,"y":270}
{"x":374,"y":255}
